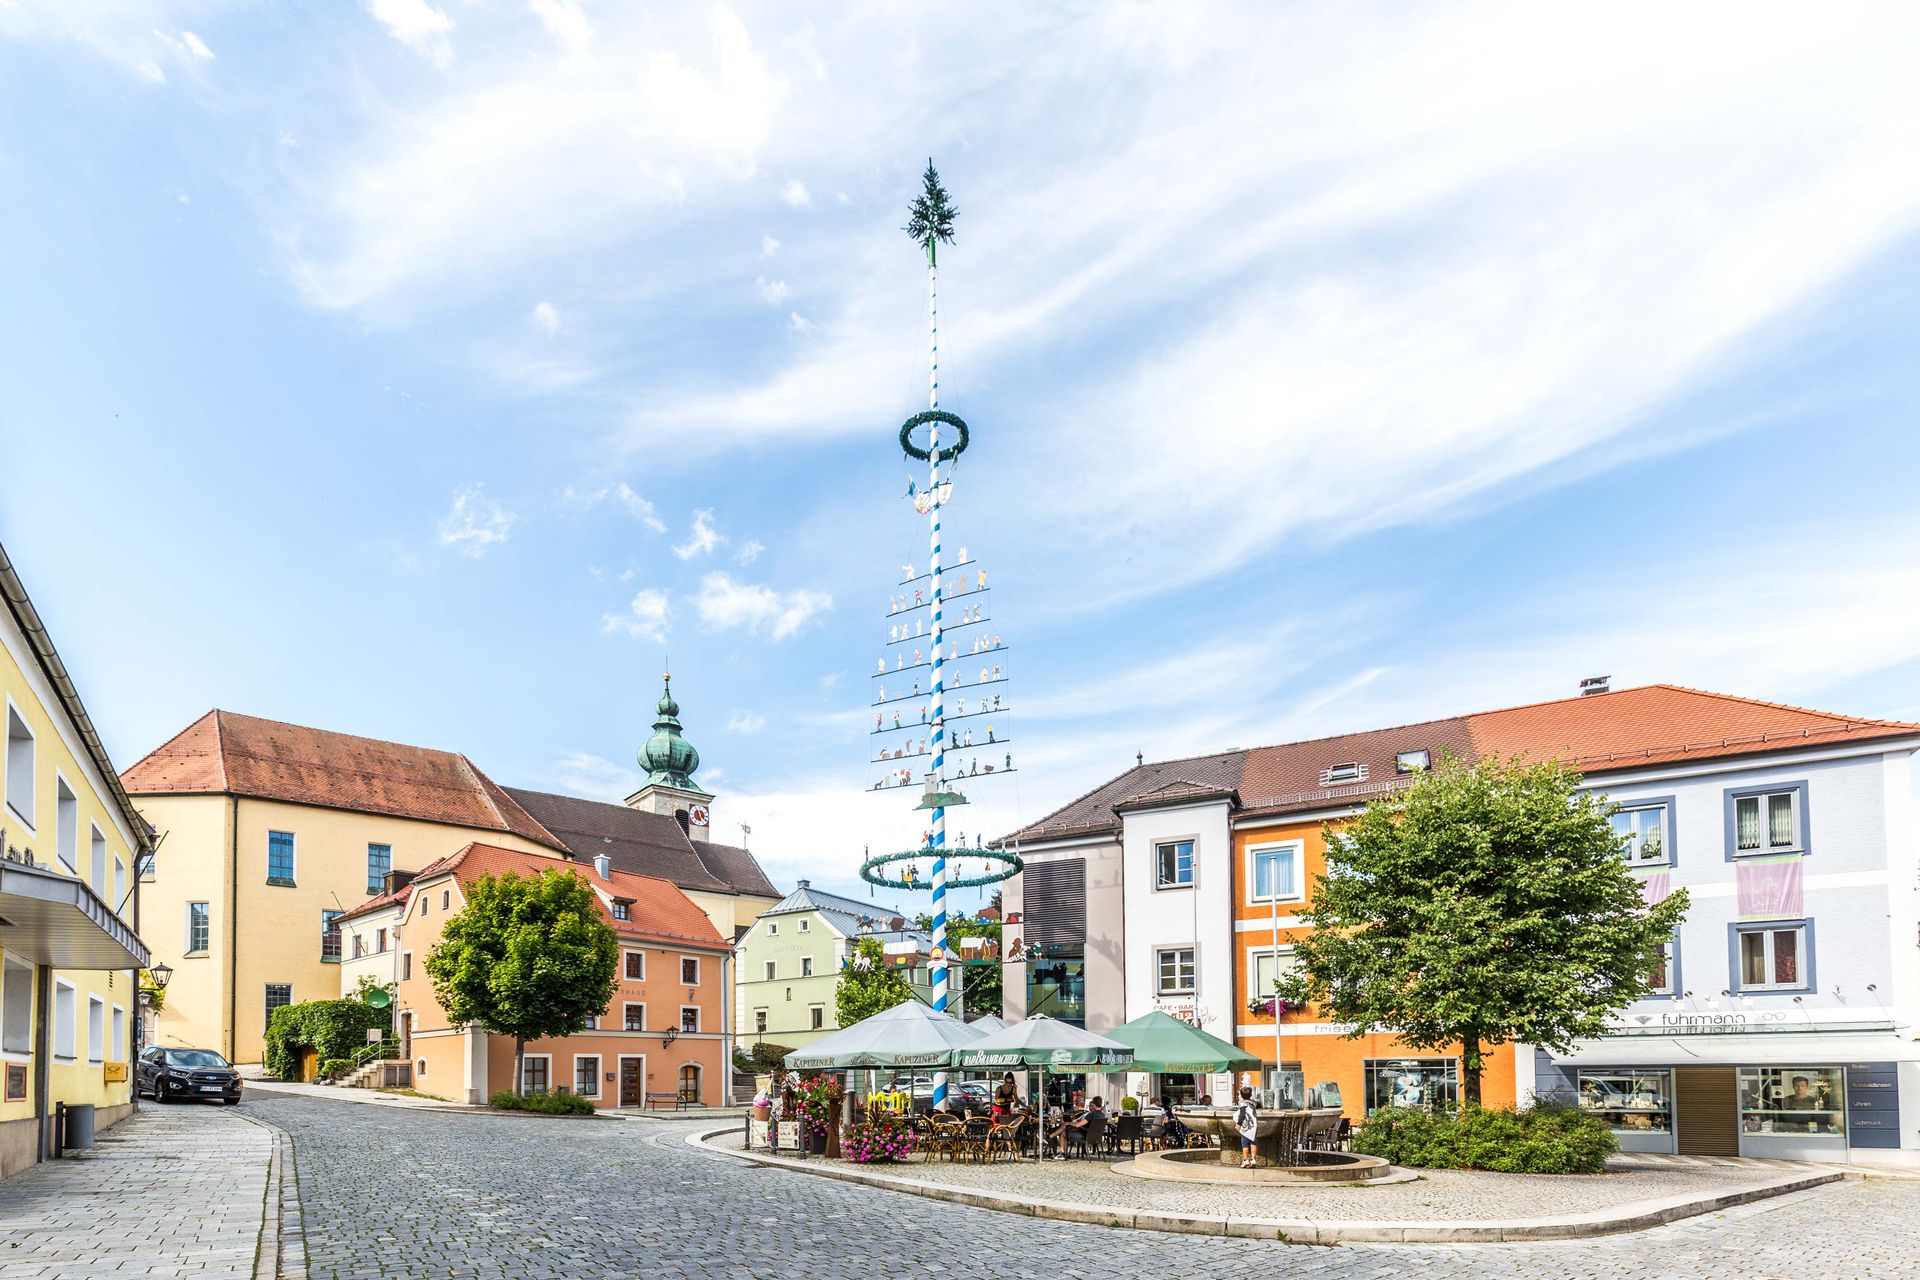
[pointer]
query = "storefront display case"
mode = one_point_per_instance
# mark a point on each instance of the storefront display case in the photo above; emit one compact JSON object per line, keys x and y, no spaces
{"x":1636,"y":1103}
{"x":1793,"y":1113}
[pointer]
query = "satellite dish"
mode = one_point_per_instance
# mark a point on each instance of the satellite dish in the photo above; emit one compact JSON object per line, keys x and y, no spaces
{"x":378,"y":998}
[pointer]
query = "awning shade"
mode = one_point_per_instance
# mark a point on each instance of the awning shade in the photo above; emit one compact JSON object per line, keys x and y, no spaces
{"x":1041,"y":1041}
{"x":907,"y":1035}
{"x":1161,"y":1042}
{"x":51,"y":919}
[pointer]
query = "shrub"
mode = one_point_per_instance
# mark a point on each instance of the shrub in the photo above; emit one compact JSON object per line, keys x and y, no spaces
{"x":766,"y":1057}
{"x":553,"y":1104}
{"x":334,"y":1068}
{"x":331,"y":1028}
{"x":878,"y":1139}
{"x":1129,"y":1103}
{"x":1539,"y":1139}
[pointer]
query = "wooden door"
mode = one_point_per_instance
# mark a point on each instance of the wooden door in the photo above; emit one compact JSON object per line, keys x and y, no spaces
{"x":1706,"y":1114}
{"x":633,"y":1082}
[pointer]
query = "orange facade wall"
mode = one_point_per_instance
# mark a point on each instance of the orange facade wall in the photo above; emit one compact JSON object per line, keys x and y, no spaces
{"x":1322,"y":1055}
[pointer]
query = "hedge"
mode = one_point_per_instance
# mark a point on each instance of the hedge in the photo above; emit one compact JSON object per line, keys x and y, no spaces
{"x":556,"y":1104}
{"x":1540,"y":1139}
{"x":332,"y":1028}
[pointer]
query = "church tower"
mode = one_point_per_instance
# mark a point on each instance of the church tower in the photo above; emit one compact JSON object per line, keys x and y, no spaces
{"x":670,"y":761}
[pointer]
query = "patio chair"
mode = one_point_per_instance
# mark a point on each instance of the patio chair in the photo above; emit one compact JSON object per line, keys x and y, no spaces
{"x":1003,"y":1139}
{"x":937,"y":1134}
{"x":1088,"y":1139}
{"x":1128,"y":1131}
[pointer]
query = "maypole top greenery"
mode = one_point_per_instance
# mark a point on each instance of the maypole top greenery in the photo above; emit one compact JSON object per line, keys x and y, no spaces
{"x":930,"y":216}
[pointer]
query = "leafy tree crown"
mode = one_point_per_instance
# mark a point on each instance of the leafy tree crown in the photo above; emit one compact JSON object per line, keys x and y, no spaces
{"x":868,"y":985}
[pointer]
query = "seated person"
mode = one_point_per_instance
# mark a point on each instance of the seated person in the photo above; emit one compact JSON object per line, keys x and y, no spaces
{"x":1173,"y":1132}
{"x":1094,"y":1111}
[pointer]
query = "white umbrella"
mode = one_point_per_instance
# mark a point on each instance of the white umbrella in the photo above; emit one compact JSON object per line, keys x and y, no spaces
{"x":907,"y":1035}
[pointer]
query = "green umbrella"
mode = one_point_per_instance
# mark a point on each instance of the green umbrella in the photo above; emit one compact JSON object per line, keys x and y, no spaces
{"x":1163,"y":1043}
{"x":907,"y":1035}
{"x":1041,"y":1041}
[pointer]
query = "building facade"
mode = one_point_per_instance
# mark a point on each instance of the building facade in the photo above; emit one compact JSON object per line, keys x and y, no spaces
{"x":70,"y":848}
{"x":662,"y":1038}
{"x":790,"y":961}
{"x":1771,"y":1035}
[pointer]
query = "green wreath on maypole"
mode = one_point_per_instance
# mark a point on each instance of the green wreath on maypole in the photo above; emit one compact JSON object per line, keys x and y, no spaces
{"x":913,"y":450}
{"x":872,"y":870}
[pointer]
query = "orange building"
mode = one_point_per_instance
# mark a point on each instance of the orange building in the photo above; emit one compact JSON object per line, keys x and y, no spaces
{"x":662,"y":1037}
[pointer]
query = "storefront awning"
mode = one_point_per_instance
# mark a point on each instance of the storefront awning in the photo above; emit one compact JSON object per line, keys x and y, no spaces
{"x":47,"y":918}
{"x":1809,"y":1047}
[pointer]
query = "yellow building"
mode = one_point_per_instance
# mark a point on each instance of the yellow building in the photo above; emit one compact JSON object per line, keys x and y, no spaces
{"x":71,"y":839}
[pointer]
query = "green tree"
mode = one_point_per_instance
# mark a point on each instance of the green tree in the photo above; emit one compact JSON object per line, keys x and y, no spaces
{"x":1481,"y":906}
{"x":868,"y":985}
{"x":528,"y":957}
{"x":930,"y":216}
{"x":982,"y":987}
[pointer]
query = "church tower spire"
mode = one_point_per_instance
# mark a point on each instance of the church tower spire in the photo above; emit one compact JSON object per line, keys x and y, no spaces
{"x":670,"y":761}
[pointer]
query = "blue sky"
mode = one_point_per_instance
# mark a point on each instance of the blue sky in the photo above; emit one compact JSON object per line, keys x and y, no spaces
{"x":427,"y":370}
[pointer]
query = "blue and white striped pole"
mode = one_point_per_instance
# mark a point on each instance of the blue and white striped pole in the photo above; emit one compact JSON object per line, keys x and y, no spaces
{"x":939,"y":668}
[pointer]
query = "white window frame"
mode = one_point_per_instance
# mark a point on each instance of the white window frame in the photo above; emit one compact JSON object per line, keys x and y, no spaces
{"x":547,"y":1058}
{"x":66,"y":823}
{"x":1193,"y":863}
{"x":406,"y":966}
{"x":1254,"y":956}
{"x":1404,"y":762}
{"x":1761,"y":795}
{"x":1160,"y":987}
{"x":96,"y":1030}
{"x":816,"y":1017}
{"x":625,"y":954}
{"x":806,"y":966}
{"x":117,"y":1022}
{"x":66,"y":1020}
{"x":685,"y":981}
{"x":16,"y":976}
{"x":773,"y":928}
{"x":1802,"y":955}
{"x":686,"y":1009}
{"x":1299,"y":889}
{"x":190,"y":948}
{"x":97,"y":861}
{"x":1670,"y":953}
{"x":621,"y":911}
{"x":32,"y":771}
{"x":805,"y":925}
{"x":627,"y":1021}
{"x":578,"y":1058}
{"x":1665,"y":807}
{"x":119,"y":883}
{"x":760,"y":1022}
{"x":772,"y":967}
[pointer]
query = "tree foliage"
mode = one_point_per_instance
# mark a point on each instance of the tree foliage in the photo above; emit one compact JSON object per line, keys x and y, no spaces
{"x":331,"y":1028}
{"x":930,"y":216}
{"x":868,"y":985}
{"x":1482,"y":905}
{"x":528,"y":957}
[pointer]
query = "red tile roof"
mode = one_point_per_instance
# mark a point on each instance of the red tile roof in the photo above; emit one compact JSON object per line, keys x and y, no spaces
{"x":1601,"y":733}
{"x":222,"y":752}
{"x":659,"y":911}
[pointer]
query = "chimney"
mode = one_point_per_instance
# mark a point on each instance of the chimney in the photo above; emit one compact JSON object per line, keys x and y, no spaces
{"x":603,"y":866}
{"x":805,"y":883}
{"x":397,"y":880}
{"x":1593,"y":685}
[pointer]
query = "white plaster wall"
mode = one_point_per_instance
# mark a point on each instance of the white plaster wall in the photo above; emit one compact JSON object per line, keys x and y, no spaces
{"x":1201,"y":916}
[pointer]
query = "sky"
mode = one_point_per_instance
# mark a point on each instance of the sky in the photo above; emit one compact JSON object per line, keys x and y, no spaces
{"x":439,"y":371}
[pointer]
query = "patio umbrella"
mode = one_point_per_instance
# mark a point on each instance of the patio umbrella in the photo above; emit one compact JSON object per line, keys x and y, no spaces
{"x":1163,"y":1043}
{"x":985,"y":1023}
{"x":1046,"y":1043}
{"x":907,"y":1035}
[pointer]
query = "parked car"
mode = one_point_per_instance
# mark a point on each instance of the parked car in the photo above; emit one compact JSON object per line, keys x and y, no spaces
{"x":169,"y":1075}
{"x":958,"y":1091}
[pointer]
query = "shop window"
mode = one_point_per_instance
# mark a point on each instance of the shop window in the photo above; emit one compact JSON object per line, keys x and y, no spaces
{"x":1057,"y":987}
{"x":1645,"y":833}
{"x":1173,"y":864}
{"x":586,"y":1075}
{"x":1630,"y":1102}
{"x":1762,"y":820}
{"x":1773,"y":957}
{"x":1793,"y":1100}
{"x":1432,"y":1083}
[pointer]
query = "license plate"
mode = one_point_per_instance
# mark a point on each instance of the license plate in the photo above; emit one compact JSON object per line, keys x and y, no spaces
{"x":213,"y":1088}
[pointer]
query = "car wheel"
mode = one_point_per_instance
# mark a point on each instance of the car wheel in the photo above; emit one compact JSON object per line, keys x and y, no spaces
{"x":161,"y":1093}
{"x":230,"y":1102}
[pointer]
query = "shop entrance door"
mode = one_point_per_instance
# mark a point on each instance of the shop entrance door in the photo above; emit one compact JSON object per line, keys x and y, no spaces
{"x":633,"y":1081}
{"x":1706,"y":1117}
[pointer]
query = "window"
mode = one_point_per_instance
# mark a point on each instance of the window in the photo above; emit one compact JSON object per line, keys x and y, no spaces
{"x":119,"y":883}
{"x":593,"y":1022}
{"x":817,"y":1015}
{"x":1175,"y":966}
{"x":1646,"y":834}
{"x":805,"y":925}
{"x":1057,"y":987}
{"x":446,"y":899}
{"x":359,"y":946}
{"x":1416,"y":761}
{"x":1266,"y":968}
{"x":379,"y":863}
{"x":97,"y":855}
{"x":1663,"y":976}
{"x":773,"y":928}
{"x":1773,"y":957}
{"x":806,"y":966}
{"x":770,"y":976}
{"x":636,"y":966}
{"x":65,"y":1032}
{"x":586,"y":1074}
{"x":423,"y":904}
{"x":1793,"y":1100}
{"x":280,"y":857}
{"x":144,"y":863}
{"x":96,"y":1029}
{"x":689,"y":1018}
{"x":634,"y":1017}
{"x":199,"y":928}
{"x":536,"y":1073}
{"x":406,"y":966}
{"x":16,"y":1007}
{"x":1352,"y":771}
{"x":1173,"y":864}
{"x":689,"y":971}
{"x":1767,"y":820}
{"x":380,"y":940}
{"x":279,"y":995}
{"x":66,"y":825}
{"x":330,"y":936}
{"x":1274,"y":872}
{"x":1630,"y":1102}
{"x":117,"y":1046}
{"x":1412,"y":1082}
{"x":760,"y":1022}
{"x":20,"y":770}
{"x":620,"y":911}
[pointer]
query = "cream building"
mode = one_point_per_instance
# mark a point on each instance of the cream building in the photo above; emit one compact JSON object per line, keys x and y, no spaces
{"x":69,"y":901}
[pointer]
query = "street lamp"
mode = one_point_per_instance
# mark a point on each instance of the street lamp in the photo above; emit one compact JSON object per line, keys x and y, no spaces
{"x":161,"y":974}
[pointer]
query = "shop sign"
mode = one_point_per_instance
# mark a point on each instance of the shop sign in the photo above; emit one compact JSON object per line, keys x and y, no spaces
{"x":1731,"y":1024}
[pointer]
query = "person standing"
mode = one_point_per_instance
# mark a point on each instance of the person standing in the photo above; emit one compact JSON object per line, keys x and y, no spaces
{"x":1246,"y":1121}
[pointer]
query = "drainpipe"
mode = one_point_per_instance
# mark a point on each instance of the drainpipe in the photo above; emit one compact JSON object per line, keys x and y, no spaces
{"x":233,"y":936}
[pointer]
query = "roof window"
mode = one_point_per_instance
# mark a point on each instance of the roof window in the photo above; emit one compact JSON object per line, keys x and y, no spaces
{"x":1418,"y":760}
{"x":1349,"y":772}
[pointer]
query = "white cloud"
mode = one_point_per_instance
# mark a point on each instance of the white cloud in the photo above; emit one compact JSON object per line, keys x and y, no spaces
{"x":772,"y":292}
{"x":832,"y":679}
{"x":416,"y":24}
{"x":147,"y":69}
{"x":799,"y":323}
{"x":703,"y":538}
{"x":475,"y":523}
{"x":725,"y":604}
{"x":187,"y":46}
{"x":795,"y":193}
{"x":546,"y":317}
{"x":749,"y":551}
{"x":621,"y":494}
{"x":196,"y":46}
{"x":581,"y":773}
{"x":768,"y":246}
{"x":565,"y":22}
{"x":747,"y":722}
{"x":648,"y":617}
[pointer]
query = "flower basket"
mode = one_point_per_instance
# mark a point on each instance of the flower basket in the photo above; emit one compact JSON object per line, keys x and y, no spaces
{"x":879,"y":1139}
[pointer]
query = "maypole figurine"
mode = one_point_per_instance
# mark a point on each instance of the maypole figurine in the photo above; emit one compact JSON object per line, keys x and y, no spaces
{"x":930,"y":224}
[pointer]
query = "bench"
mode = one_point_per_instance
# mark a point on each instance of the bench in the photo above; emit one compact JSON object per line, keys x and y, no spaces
{"x":656,"y":1099}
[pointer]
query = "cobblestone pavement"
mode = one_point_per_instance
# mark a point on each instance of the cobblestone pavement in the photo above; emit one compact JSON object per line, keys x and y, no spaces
{"x":387,"y":1192}
{"x":170,"y":1191}
{"x":1439,"y":1194}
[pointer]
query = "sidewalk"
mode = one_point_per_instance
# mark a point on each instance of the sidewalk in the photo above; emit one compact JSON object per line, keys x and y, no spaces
{"x":177,"y":1191}
{"x":335,"y":1093}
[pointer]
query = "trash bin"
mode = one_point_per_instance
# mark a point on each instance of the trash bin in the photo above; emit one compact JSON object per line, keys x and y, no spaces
{"x":79,"y":1132}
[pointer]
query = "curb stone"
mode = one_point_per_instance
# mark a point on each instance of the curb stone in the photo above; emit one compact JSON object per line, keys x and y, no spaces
{"x":282,"y":1251}
{"x":1627,"y":1218}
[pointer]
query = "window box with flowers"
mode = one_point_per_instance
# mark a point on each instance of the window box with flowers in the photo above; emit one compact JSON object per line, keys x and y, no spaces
{"x":1273,"y":1006}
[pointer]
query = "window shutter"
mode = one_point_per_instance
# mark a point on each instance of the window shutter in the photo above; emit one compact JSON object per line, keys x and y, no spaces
{"x":1055,"y":902}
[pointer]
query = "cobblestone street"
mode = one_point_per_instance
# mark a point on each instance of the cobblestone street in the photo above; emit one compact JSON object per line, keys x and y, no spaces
{"x":387,"y":1192}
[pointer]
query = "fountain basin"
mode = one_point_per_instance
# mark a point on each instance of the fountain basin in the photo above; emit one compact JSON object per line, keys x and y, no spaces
{"x":1323,"y":1168}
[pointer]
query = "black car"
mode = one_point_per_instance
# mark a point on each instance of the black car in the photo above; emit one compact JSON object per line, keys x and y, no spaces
{"x":169,"y":1075}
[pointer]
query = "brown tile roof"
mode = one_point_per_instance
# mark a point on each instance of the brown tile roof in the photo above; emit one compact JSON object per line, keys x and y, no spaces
{"x":271,"y":760}
{"x":659,"y":911}
{"x":1625,"y":729}
{"x":377,"y":902}
{"x":648,"y":844}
